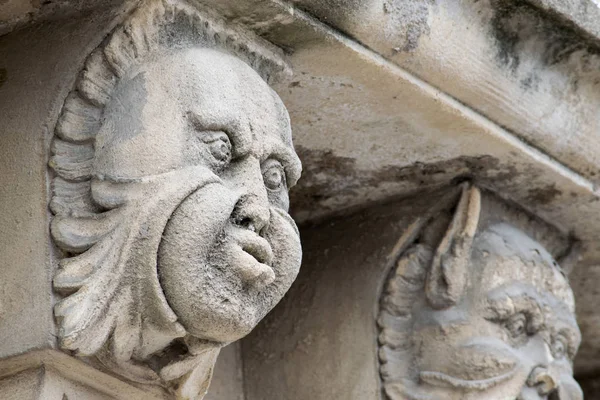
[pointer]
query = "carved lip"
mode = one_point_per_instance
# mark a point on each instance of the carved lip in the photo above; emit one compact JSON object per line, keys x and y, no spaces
{"x":443,"y":380}
{"x":256,"y":257}
{"x":256,"y":246}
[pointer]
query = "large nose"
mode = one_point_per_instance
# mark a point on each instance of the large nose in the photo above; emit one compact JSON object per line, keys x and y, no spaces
{"x":552,"y":384}
{"x":252,"y":209}
{"x":542,"y":380}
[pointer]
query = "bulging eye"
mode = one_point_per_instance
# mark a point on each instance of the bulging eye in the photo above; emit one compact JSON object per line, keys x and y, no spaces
{"x":559,"y":347}
{"x":274,"y":176}
{"x":517,"y":326}
{"x":219,"y":145}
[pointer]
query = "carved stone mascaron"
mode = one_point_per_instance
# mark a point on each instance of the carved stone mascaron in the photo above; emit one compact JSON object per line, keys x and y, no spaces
{"x":173,"y":160}
{"x":475,"y":313}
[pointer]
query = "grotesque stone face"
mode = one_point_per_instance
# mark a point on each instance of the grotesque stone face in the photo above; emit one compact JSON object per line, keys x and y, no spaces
{"x":173,"y":161}
{"x":511,"y":334}
{"x":230,"y":250}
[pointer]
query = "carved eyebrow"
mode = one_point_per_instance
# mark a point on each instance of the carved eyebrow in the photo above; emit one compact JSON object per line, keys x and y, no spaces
{"x":504,"y":302}
{"x":290,"y":162}
{"x":241,"y":142}
{"x":565,"y":325}
{"x":573,"y":337}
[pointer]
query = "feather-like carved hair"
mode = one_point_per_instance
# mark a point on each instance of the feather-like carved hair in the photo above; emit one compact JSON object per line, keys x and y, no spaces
{"x":110,"y":231}
{"x":437,"y":275}
{"x":155,"y":26}
{"x":429,"y":268}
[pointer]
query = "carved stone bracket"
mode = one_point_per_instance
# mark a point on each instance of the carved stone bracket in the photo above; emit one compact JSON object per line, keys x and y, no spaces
{"x":173,"y":160}
{"x":475,"y":309}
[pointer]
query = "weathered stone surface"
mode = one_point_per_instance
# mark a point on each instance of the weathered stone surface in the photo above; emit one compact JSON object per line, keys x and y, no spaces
{"x":53,"y":375}
{"x":368,"y":130}
{"x":471,"y":312}
{"x":326,"y":329}
{"x":582,"y":14}
{"x":15,"y":14}
{"x":173,"y":161}
{"x":28,"y":111}
{"x":428,"y":93}
{"x":228,"y":379}
{"x":522,"y":67}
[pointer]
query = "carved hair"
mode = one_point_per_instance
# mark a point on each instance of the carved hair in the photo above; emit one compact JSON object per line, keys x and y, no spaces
{"x":425,"y":270}
{"x":149,"y":30}
{"x":102,"y":225}
{"x":418,"y":268}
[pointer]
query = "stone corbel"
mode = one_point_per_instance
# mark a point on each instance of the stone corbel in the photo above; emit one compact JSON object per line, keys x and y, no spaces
{"x":173,"y":159}
{"x":476,"y":310}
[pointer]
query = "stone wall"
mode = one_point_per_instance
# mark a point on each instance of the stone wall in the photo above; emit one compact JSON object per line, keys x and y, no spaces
{"x":448,"y":199}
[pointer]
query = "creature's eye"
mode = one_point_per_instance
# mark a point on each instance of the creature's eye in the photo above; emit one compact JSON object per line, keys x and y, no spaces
{"x":276,"y":184}
{"x":219,"y":145}
{"x":559,"y":347}
{"x":274,"y":175}
{"x":517,"y":326}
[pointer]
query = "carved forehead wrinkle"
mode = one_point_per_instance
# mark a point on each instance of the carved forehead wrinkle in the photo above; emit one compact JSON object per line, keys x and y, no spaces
{"x":225,"y":93}
{"x":149,"y":112}
{"x":222,"y":89}
{"x":503,"y":253}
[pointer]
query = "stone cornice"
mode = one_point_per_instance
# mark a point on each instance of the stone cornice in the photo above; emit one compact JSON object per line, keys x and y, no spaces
{"x":79,"y":372}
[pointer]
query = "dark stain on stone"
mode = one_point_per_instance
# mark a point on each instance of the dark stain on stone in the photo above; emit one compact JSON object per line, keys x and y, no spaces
{"x":516,"y":23}
{"x":402,"y":22}
{"x":506,"y":26}
{"x":3,"y":76}
{"x":326,"y":176}
{"x":530,"y":82}
{"x":406,"y":21}
{"x":543,"y":195}
{"x":126,"y":109}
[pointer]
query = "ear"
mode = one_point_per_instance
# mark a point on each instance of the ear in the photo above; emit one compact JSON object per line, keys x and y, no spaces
{"x":448,"y":276}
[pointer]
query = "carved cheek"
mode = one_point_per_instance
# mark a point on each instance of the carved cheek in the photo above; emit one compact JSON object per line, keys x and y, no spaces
{"x":284,"y":238}
{"x":569,"y":389}
{"x":189,"y":239}
{"x":473,"y":367}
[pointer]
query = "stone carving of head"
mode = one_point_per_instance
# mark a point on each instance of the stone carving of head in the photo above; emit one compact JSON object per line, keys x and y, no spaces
{"x":476,"y":314}
{"x":173,"y":161}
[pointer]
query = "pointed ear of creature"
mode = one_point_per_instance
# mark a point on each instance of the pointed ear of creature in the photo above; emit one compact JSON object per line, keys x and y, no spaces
{"x":448,"y":275}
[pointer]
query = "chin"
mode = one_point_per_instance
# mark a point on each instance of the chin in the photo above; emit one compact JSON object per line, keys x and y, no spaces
{"x":222,"y":322}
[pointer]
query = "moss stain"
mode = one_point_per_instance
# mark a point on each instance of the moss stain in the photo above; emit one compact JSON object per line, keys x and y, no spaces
{"x":327,"y":175}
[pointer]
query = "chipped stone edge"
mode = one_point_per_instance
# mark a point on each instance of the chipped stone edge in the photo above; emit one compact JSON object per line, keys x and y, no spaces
{"x":77,"y":371}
